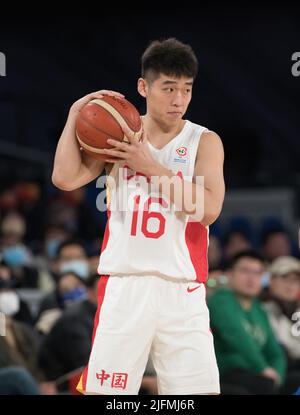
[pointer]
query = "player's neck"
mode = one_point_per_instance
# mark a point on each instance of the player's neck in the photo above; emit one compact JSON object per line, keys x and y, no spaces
{"x":158,"y":133}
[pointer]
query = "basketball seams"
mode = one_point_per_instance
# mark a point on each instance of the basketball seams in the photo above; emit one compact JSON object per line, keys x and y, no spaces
{"x":115,"y":113}
{"x":126,"y":106}
{"x":91,"y":131}
{"x":88,"y":147}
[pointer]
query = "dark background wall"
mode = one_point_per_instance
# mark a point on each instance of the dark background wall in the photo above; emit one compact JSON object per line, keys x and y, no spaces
{"x":245,"y":90}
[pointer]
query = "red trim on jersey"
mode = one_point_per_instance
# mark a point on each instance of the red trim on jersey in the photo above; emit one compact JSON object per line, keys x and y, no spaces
{"x":106,"y":233}
{"x":196,"y":241}
{"x":102,"y":283}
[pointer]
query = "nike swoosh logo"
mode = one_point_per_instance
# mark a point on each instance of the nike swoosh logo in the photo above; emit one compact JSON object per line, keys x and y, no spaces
{"x":190,"y":290}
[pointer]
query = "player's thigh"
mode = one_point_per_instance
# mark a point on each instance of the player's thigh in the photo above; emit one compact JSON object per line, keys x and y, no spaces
{"x":183,"y":349}
{"x":124,"y":329}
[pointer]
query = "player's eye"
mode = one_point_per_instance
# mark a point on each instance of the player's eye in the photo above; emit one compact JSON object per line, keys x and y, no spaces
{"x":169,"y":89}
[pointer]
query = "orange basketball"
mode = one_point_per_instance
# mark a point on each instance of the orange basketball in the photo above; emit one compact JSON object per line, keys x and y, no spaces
{"x":101,"y":119}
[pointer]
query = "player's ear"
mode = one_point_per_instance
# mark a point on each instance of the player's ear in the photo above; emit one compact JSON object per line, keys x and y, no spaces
{"x":142,"y":87}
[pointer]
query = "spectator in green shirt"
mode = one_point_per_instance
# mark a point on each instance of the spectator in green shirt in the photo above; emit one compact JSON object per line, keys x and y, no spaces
{"x":249,"y":357}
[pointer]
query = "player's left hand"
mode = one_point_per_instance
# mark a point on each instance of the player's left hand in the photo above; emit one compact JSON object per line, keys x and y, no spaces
{"x":135,"y":153}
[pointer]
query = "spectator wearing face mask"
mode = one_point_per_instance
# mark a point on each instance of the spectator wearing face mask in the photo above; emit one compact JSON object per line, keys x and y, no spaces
{"x":66,"y":348}
{"x":67,"y":345}
{"x":15,"y":253}
{"x":70,"y":257}
{"x":21,"y":310}
{"x":18,"y":343}
{"x":70,"y":289}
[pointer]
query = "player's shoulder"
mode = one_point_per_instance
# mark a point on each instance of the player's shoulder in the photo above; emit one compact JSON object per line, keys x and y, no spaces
{"x":207,"y":136}
{"x":210,"y":137}
{"x":210,"y":141}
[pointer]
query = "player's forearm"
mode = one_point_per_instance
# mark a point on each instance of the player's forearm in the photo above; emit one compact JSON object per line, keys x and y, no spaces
{"x":68,"y":158}
{"x":191,"y":198}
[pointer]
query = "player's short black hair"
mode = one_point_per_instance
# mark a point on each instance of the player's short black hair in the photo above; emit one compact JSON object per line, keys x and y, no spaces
{"x":169,"y":57}
{"x":246,"y":254}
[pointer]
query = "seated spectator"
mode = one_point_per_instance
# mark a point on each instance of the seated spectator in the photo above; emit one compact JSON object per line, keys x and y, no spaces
{"x":214,"y":252}
{"x":70,"y":289}
{"x":71,"y":257}
{"x":18,"y":347}
{"x":249,"y":357}
{"x":22,"y":312}
{"x":67,"y":346}
{"x":275,"y":243}
{"x":281,"y":304}
{"x":17,"y":255}
{"x":234,"y":242}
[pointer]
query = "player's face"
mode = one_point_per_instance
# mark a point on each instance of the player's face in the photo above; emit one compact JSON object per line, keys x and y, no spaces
{"x":246,"y":277}
{"x":168,"y":98}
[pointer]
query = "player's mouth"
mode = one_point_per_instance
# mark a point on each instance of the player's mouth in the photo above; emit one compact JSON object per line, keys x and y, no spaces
{"x":175,"y":113}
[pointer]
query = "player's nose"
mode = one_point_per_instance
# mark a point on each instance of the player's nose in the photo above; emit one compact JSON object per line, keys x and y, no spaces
{"x":178,"y":100}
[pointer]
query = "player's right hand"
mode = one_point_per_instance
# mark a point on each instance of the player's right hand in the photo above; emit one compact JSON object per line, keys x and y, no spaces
{"x":80,"y":103}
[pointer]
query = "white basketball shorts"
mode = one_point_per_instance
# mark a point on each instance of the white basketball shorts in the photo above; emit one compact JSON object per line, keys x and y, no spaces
{"x":138,"y":315}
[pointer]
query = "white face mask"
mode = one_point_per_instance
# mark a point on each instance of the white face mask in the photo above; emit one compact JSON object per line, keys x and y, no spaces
{"x":9,"y":303}
{"x":80,"y":267}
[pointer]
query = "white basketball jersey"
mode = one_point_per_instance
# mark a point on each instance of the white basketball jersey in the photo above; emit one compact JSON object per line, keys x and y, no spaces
{"x":144,"y":235}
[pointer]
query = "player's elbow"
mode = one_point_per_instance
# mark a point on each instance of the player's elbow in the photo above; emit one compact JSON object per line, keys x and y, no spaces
{"x":213,"y":214}
{"x":60,"y":183}
{"x":209,"y":216}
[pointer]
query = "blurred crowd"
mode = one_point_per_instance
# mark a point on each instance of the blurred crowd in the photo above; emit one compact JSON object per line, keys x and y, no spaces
{"x":49,"y":252}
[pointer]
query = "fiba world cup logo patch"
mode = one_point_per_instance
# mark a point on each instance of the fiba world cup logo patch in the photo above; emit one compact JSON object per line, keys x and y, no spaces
{"x":181,"y":155}
{"x":181,"y":151}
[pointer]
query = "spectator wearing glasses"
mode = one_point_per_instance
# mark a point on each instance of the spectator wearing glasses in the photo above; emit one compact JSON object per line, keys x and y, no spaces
{"x":249,"y":357}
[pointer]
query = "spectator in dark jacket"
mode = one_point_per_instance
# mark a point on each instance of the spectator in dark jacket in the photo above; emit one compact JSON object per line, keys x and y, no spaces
{"x":18,"y":343}
{"x":22,"y":310}
{"x":67,"y":346}
{"x":70,"y":289}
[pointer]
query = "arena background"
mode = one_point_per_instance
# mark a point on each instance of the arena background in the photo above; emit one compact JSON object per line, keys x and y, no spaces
{"x":245,"y":91}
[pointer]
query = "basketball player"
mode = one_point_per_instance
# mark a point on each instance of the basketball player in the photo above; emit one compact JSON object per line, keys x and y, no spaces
{"x":153,"y":263}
